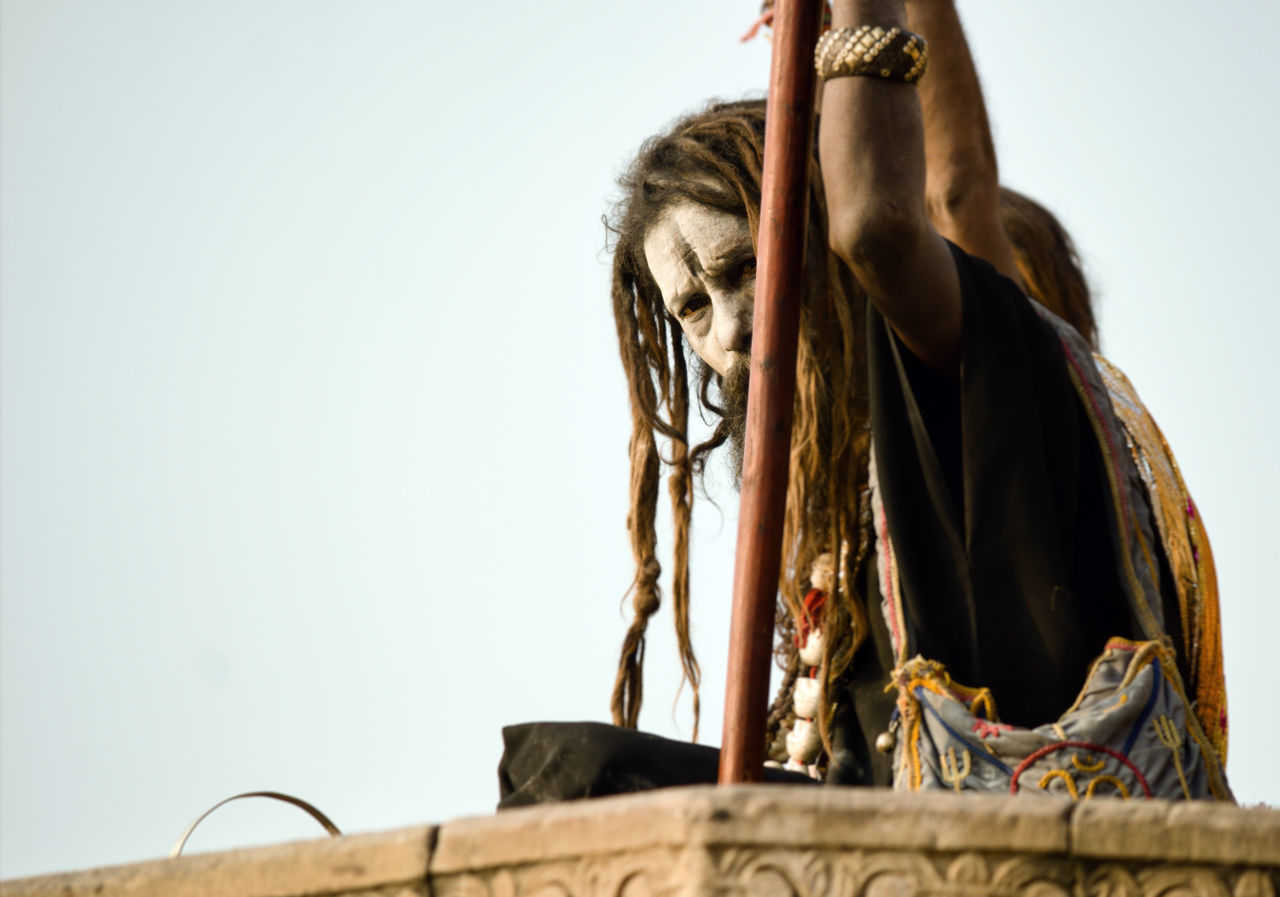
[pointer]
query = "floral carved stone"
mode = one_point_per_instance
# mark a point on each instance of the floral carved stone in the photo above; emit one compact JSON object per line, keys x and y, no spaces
{"x":805,"y":842}
{"x":749,"y":841}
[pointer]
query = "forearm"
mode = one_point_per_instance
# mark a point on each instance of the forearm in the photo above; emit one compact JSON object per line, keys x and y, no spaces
{"x":871,"y":146}
{"x":962,"y":177}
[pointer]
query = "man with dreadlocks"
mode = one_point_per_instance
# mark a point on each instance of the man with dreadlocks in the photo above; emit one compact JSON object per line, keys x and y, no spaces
{"x":961,"y":507}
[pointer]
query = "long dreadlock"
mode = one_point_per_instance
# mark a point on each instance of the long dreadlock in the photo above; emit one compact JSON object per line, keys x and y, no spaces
{"x":1047,"y":259}
{"x":715,"y":158}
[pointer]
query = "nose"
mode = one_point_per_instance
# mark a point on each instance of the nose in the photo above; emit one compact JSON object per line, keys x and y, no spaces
{"x":733,"y":329}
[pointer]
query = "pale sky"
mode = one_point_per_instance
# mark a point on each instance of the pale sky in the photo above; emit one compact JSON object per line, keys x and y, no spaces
{"x":312,"y":426}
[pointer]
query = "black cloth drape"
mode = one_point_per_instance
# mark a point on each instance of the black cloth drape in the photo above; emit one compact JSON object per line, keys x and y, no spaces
{"x":546,"y":762}
{"x":996,"y":499}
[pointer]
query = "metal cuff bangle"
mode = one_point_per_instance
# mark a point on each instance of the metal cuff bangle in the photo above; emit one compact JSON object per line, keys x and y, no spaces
{"x":872,"y":51}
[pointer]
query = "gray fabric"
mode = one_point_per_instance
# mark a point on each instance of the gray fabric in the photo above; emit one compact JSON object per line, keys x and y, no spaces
{"x":1126,"y":737}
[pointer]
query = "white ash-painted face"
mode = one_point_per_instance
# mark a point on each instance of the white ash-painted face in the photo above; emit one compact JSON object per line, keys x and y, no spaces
{"x":704,"y":264}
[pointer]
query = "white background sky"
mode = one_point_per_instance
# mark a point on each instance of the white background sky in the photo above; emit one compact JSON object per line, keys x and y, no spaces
{"x":314,"y":432}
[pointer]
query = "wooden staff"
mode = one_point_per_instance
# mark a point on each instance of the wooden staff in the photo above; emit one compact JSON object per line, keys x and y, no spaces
{"x":784,"y":211}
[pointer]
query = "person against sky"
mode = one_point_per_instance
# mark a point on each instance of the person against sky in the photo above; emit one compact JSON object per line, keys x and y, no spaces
{"x":970,"y":598}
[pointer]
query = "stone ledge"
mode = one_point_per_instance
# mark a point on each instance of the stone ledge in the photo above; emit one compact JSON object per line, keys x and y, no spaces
{"x":749,"y":840}
{"x":380,"y":863}
{"x":1198,"y":832}
{"x":774,"y":815}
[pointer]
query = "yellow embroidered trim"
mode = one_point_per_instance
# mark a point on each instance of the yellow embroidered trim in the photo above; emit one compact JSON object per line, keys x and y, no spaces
{"x":1187,"y":549}
{"x":954,"y":771}
{"x":1112,"y":643}
{"x":1065,"y":776}
{"x":1087,"y":767}
{"x":1074,"y":790}
{"x":1120,"y":702}
{"x":1110,"y":780}
{"x":1145,"y":653}
{"x":911,"y":756}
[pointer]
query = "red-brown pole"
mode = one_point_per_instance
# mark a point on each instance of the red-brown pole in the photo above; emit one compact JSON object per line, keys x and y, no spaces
{"x":788,"y":143}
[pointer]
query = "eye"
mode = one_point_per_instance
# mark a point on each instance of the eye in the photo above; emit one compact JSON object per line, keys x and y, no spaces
{"x":744,"y":272}
{"x":696,"y":303}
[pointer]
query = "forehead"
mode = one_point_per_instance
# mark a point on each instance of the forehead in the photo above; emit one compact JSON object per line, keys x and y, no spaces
{"x":687,"y":238}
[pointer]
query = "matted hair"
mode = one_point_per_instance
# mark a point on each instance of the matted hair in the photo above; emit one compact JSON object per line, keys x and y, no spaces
{"x":714,"y":157}
{"x":1048,"y":262}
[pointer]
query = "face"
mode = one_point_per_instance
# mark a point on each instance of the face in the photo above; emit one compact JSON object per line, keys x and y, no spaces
{"x":704,"y":264}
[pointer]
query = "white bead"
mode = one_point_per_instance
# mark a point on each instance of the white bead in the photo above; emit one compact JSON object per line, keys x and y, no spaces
{"x":811,"y":650}
{"x":820,"y":574}
{"x":803,"y":741}
{"x":807,"y":693}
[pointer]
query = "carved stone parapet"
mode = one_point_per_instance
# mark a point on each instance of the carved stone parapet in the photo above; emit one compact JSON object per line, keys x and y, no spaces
{"x":808,"y":842}
{"x":752,"y":840}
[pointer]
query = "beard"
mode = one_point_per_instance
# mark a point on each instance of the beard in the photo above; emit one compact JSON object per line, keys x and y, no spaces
{"x":733,"y":399}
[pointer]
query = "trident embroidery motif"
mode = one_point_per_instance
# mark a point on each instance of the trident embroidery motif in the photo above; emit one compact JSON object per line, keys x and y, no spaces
{"x":956,"y":771}
{"x":1171,"y":738}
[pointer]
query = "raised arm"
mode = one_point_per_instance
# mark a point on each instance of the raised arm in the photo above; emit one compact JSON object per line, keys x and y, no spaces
{"x":871,"y":146}
{"x":962,"y":186}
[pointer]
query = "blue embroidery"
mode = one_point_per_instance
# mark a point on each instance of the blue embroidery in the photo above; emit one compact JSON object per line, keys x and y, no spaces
{"x":1146,"y":712}
{"x":956,"y":735}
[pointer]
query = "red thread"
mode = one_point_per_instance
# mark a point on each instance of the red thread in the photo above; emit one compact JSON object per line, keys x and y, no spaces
{"x":985,"y":729}
{"x":813,"y":603}
{"x":1084,"y":746}
{"x":766,"y":18}
{"x":886,"y":581}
